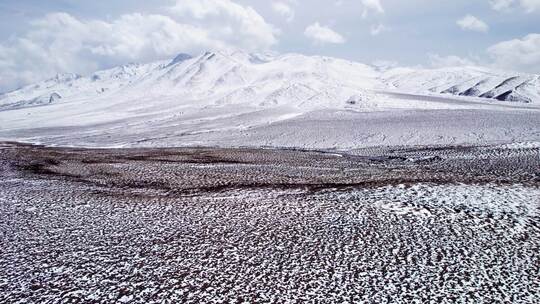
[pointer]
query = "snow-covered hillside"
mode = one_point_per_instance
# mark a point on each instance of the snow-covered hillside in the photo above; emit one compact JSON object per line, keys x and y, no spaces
{"x":212,"y":78}
{"x":239,"y":98}
{"x":228,"y":77}
{"x":466,"y":81}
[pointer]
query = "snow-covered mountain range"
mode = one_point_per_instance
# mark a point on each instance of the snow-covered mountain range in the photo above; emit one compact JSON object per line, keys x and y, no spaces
{"x":239,"y":98}
{"x":265,"y":79}
{"x":211,"y":78}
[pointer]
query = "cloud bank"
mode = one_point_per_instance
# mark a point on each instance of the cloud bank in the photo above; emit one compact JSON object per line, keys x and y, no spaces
{"x":323,"y":34}
{"x":60,"y":42}
{"x":528,"y":6}
{"x":518,"y":54}
{"x":471,"y":23}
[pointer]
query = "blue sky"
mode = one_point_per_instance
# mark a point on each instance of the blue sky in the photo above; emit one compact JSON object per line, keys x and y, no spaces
{"x":41,"y":38}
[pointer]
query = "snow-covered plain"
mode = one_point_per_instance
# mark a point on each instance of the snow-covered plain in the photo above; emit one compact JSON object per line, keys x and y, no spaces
{"x":233,"y":98}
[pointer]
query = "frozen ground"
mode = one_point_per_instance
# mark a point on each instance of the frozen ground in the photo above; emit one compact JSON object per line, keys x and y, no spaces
{"x":191,"y":225}
{"x":419,"y":122}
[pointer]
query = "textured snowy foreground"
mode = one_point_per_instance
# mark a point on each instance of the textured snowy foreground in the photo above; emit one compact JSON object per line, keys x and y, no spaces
{"x":403,"y":225}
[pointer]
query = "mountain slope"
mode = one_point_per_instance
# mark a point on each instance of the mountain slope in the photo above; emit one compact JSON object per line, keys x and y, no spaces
{"x":213,"y":77}
{"x":262,"y":79}
{"x":467,"y":81}
{"x":238,"y":98}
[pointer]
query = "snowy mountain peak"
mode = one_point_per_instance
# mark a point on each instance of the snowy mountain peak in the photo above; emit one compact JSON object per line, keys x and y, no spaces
{"x":64,"y":77}
{"x":233,"y":76}
{"x":179,"y":58}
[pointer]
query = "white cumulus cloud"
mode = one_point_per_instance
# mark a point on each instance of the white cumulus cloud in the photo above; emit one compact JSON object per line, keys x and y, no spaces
{"x":228,"y":20}
{"x":377,"y":29}
{"x":501,"y":5}
{"x":518,"y":54}
{"x":323,"y":34}
{"x":521,"y":54}
{"x":471,"y":23}
{"x":372,"y":6}
{"x":284,"y":10}
{"x":60,"y":42}
{"x":529,"y":6}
